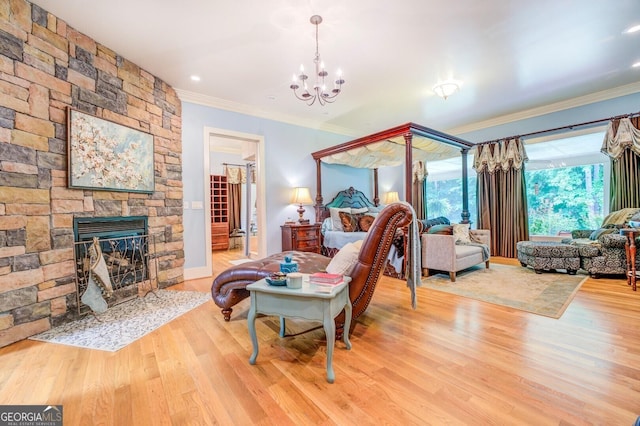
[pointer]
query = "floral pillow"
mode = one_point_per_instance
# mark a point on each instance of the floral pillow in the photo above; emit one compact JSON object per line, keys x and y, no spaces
{"x":461,"y":233}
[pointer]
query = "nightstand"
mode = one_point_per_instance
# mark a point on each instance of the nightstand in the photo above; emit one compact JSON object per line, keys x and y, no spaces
{"x":301,"y":237}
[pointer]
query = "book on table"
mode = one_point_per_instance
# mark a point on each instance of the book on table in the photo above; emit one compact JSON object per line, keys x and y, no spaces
{"x":326,"y":278}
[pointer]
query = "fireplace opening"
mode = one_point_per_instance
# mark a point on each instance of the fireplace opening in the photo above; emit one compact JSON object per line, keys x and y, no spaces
{"x":126,"y":248}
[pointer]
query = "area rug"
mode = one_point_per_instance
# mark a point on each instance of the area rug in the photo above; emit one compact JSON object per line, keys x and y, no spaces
{"x":546,"y":294}
{"x":124,"y":323}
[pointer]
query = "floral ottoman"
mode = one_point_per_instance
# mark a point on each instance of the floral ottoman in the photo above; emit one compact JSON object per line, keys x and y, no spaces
{"x":548,"y":255}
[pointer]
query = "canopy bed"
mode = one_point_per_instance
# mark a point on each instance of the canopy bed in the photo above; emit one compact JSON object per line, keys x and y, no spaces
{"x":404,"y":144}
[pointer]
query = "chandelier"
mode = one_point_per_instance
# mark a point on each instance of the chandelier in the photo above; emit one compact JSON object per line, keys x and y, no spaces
{"x":319,"y":89}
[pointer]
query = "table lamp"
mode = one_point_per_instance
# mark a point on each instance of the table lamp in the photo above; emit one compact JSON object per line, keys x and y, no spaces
{"x":301,"y":195}
{"x":391,"y":197}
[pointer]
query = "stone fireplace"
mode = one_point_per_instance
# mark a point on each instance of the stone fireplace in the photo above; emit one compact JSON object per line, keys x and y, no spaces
{"x":47,"y":66}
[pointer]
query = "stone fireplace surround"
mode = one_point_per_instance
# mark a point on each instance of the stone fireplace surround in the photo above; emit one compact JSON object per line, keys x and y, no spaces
{"x":47,"y":66}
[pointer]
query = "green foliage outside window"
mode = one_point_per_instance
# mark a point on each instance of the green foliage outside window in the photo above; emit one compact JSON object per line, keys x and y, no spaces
{"x":444,"y":198}
{"x":565,"y":198}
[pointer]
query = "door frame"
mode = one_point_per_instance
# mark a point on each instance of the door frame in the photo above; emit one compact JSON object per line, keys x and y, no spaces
{"x":261,"y":214}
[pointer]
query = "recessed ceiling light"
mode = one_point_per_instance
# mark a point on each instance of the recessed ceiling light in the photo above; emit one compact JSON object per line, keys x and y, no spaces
{"x":633,"y":29}
{"x":636,"y":65}
{"x":195,"y":78}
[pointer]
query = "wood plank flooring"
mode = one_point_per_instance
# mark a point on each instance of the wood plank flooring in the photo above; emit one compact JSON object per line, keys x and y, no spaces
{"x":451,"y":361}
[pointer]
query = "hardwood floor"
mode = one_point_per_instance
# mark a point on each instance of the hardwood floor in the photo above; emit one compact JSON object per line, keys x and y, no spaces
{"x":451,"y":361}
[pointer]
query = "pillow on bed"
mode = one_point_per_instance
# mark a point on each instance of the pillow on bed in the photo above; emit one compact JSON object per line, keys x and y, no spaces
{"x":346,"y":258}
{"x":348,"y":221}
{"x":359,"y":210}
{"x":365,"y":221}
{"x":335,"y":217}
{"x":327,"y":225}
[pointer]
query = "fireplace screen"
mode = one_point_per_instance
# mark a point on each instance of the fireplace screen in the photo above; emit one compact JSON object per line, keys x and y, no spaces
{"x":126,"y":252}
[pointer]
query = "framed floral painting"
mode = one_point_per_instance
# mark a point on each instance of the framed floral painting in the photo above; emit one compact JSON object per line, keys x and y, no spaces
{"x":104,"y":155}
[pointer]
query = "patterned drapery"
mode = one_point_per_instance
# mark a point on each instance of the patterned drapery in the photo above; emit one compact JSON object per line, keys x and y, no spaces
{"x":502,"y":196}
{"x":622,"y":144}
{"x":236,"y":176}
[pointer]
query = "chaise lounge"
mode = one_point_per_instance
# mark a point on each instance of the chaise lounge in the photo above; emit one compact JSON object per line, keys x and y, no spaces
{"x":229,"y":288}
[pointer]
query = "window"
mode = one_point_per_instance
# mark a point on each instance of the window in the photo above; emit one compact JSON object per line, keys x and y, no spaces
{"x":444,"y":189}
{"x":566,"y":184}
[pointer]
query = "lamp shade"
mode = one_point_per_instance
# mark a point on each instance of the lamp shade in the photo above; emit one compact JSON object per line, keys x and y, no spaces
{"x":391,"y":197}
{"x":301,"y":195}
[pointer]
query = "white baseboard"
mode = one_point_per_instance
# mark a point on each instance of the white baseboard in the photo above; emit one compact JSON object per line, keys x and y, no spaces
{"x":195,"y":273}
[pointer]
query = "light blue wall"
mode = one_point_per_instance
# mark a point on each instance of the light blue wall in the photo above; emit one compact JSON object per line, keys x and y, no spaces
{"x":288,"y":164}
{"x":595,"y":111}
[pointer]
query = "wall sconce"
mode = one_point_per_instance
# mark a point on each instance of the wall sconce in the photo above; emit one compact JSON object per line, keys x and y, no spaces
{"x":391,"y":197}
{"x":301,"y":195}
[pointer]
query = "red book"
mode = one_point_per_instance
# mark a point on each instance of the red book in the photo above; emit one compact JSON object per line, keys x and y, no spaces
{"x":325,"y":278}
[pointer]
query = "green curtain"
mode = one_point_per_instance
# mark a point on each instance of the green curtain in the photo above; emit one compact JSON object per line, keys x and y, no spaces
{"x":622,"y":144}
{"x":502,"y":195}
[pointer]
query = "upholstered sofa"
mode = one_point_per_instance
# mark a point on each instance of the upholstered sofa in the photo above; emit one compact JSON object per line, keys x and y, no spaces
{"x":442,"y":252}
{"x":602,"y":251}
{"x":229,"y":287}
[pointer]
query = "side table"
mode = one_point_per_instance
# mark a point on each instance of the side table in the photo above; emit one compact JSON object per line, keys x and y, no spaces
{"x":306,"y":303}
{"x":630,"y":251}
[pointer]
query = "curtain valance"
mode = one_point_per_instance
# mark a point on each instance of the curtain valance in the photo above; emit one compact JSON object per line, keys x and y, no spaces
{"x":627,"y":136}
{"x":503,"y":155}
{"x":237,"y":175}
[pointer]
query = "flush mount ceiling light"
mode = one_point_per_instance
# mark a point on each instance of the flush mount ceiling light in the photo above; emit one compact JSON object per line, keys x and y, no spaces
{"x":447,"y":88}
{"x":319,"y":90}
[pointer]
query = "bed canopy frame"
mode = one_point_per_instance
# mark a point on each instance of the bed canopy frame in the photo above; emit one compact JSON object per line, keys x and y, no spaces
{"x":392,"y":147}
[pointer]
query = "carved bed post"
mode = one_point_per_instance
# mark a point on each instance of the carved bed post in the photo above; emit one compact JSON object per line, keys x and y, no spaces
{"x":465,"y":189}
{"x":376,"y":198}
{"x":319,"y":199}
{"x":408,"y":168}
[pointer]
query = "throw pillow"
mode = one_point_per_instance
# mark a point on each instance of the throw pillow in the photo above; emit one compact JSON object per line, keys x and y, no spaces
{"x":346,"y":258}
{"x":602,"y":231}
{"x":461,"y":233}
{"x":335,"y":217}
{"x":365,"y":221}
{"x":348,"y":221}
{"x":327,"y":225}
{"x":441,"y":229}
{"x":359,"y":210}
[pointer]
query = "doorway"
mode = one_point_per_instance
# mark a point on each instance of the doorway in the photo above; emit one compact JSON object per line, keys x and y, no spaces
{"x":224,"y":149}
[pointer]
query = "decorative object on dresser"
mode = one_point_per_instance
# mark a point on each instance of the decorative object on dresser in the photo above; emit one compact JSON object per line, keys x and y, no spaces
{"x":219,"y":213}
{"x":301,"y":196}
{"x":301,"y":237}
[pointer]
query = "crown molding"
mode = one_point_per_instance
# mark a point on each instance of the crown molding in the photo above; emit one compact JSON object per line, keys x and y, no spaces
{"x":591,"y":98}
{"x":226,"y":105}
{"x":210,"y":101}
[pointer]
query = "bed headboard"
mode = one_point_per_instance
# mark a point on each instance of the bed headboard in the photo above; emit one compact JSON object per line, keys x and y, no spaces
{"x":346,"y":198}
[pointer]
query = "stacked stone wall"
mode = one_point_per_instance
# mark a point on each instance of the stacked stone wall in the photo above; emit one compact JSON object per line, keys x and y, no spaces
{"x":46,"y":67}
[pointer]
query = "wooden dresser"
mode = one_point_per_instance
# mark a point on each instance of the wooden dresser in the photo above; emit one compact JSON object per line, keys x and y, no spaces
{"x":219,"y":213}
{"x":301,"y":237}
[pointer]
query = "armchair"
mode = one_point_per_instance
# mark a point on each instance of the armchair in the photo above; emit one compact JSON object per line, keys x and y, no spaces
{"x":440,"y":252}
